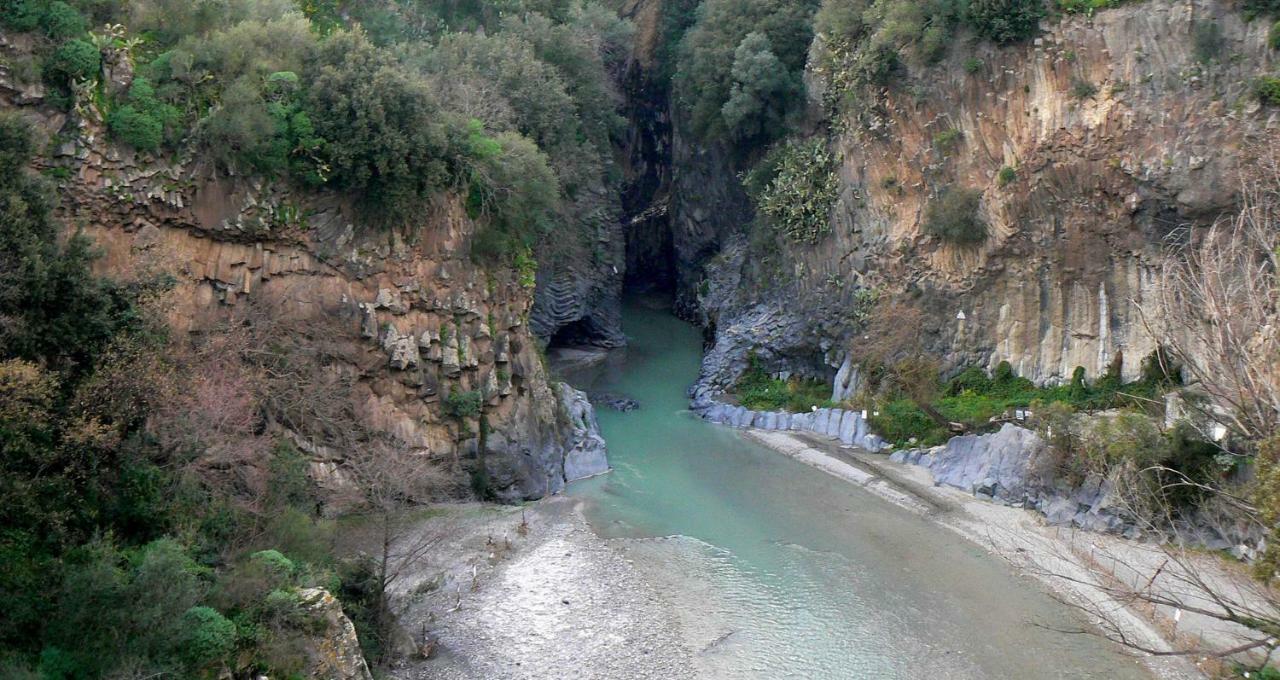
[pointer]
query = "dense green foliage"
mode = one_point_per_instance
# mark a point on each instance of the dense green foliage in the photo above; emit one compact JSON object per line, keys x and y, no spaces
{"x":377,"y":98}
{"x":1267,"y":90}
{"x":973,"y":397}
{"x":739,"y":67}
{"x":464,"y":404}
{"x":953,"y":217}
{"x":55,"y":312}
{"x":1086,"y":6}
{"x":1005,"y":21}
{"x":121,"y":557}
{"x":756,"y":389}
{"x":794,"y":188}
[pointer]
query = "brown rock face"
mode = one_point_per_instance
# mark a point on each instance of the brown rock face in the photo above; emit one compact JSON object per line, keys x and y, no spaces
{"x":416,"y":319}
{"x":335,"y":649}
{"x":1119,"y":133}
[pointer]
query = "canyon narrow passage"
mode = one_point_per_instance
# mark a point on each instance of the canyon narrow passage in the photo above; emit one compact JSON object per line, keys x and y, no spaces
{"x":779,"y":570}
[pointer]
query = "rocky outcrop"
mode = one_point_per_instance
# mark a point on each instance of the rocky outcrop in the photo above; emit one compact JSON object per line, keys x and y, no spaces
{"x":1117,"y":132}
{"x":585,"y":454}
{"x":332,"y":650}
{"x":1007,"y":467}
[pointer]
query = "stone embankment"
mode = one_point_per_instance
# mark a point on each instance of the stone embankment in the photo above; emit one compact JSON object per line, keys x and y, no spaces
{"x":849,"y":427}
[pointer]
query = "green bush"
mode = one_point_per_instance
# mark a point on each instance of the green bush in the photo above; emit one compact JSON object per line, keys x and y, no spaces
{"x":1006,"y":176}
{"x":1086,"y":6}
{"x":972,"y":65}
{"x":460,"y":404}
{"x":1256,"y":8}
{"x":971,"y":379}
{"x":386,"y":141}
{"x":794,"y":188}
{"x":730,"y":84}
{"x":1207,"y":41}
{"x":511,"y":187}
{"x":758,"y":391}
{"x":135,"y":128}
{"x":900,"y":420}
{"x":1005,"y":21}
{"x":73,"y":60}
{"x":1083,"y":89}
{"x":763,"y":92}
{"x":208,"y":637}
{"x":953,"y":217}
{"x":275,"y":562}
{"x":947,"y":140}
{"x":1273,"y":36}
{"x":21,"y":15}
{"x":61,"y":21}
{"x":973,"y":398}
{"x":1267,"y":90}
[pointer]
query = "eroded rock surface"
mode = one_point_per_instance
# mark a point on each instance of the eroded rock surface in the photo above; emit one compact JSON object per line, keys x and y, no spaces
{"x":334,"y":649}
{"x":406,"y":314}
{"x":1077,"y":236}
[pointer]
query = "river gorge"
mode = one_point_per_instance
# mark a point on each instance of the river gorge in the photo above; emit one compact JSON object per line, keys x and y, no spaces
{"x":784,"y":571}
{"x":639,"y":339}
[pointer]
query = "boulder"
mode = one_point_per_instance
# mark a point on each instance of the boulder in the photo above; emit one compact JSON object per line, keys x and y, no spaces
{"x":333,"y":651}
{"x":585,"y":452}
{"x":999,"y":462}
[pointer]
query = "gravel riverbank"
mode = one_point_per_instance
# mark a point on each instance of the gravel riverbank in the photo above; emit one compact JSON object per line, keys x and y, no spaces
{"x":551,"y":601}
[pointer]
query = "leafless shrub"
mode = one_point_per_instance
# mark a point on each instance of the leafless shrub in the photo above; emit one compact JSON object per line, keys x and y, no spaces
{"x":1219,"y":306}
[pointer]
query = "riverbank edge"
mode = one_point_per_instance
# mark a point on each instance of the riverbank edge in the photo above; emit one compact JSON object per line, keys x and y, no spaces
{"x":1018,"y":536}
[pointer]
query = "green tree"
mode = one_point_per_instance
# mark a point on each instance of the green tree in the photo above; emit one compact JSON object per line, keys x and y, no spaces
{"x":61,"y":21}
{"x":74,"y":60}
{"x":1005,"y":21}
{"x":763,"y":91}
{"x":705,"y":78}
{"x":387,"y":140}
{"x":54,"y":310}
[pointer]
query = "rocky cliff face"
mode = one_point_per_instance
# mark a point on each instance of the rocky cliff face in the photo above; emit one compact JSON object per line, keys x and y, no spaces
{"x":1120,"y":133}
{"x":411,"y":318}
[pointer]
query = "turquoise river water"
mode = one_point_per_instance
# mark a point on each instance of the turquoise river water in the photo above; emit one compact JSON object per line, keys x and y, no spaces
{"x":783,"y":571}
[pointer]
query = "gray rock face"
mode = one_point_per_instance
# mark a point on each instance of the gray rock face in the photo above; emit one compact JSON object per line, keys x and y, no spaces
{"x":1003,"y":467}
{"x":999,"y":464}
{"x":585,"y":453}
{"x":334,"y":652}
{"x":847,"y":426}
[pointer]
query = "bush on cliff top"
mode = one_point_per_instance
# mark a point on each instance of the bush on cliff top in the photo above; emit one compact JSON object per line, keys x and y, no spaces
{"x":721,"y":78}
{"x":1005,"y":21}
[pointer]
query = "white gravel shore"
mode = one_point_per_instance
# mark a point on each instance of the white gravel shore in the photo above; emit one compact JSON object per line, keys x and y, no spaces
{"x":560,"y":602}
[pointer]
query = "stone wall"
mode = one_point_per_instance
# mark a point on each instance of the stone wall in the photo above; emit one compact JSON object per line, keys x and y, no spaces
{"x":848,"y":427}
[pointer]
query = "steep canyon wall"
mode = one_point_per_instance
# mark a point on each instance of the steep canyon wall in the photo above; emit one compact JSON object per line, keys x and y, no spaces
{"x":1121,"y":134}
